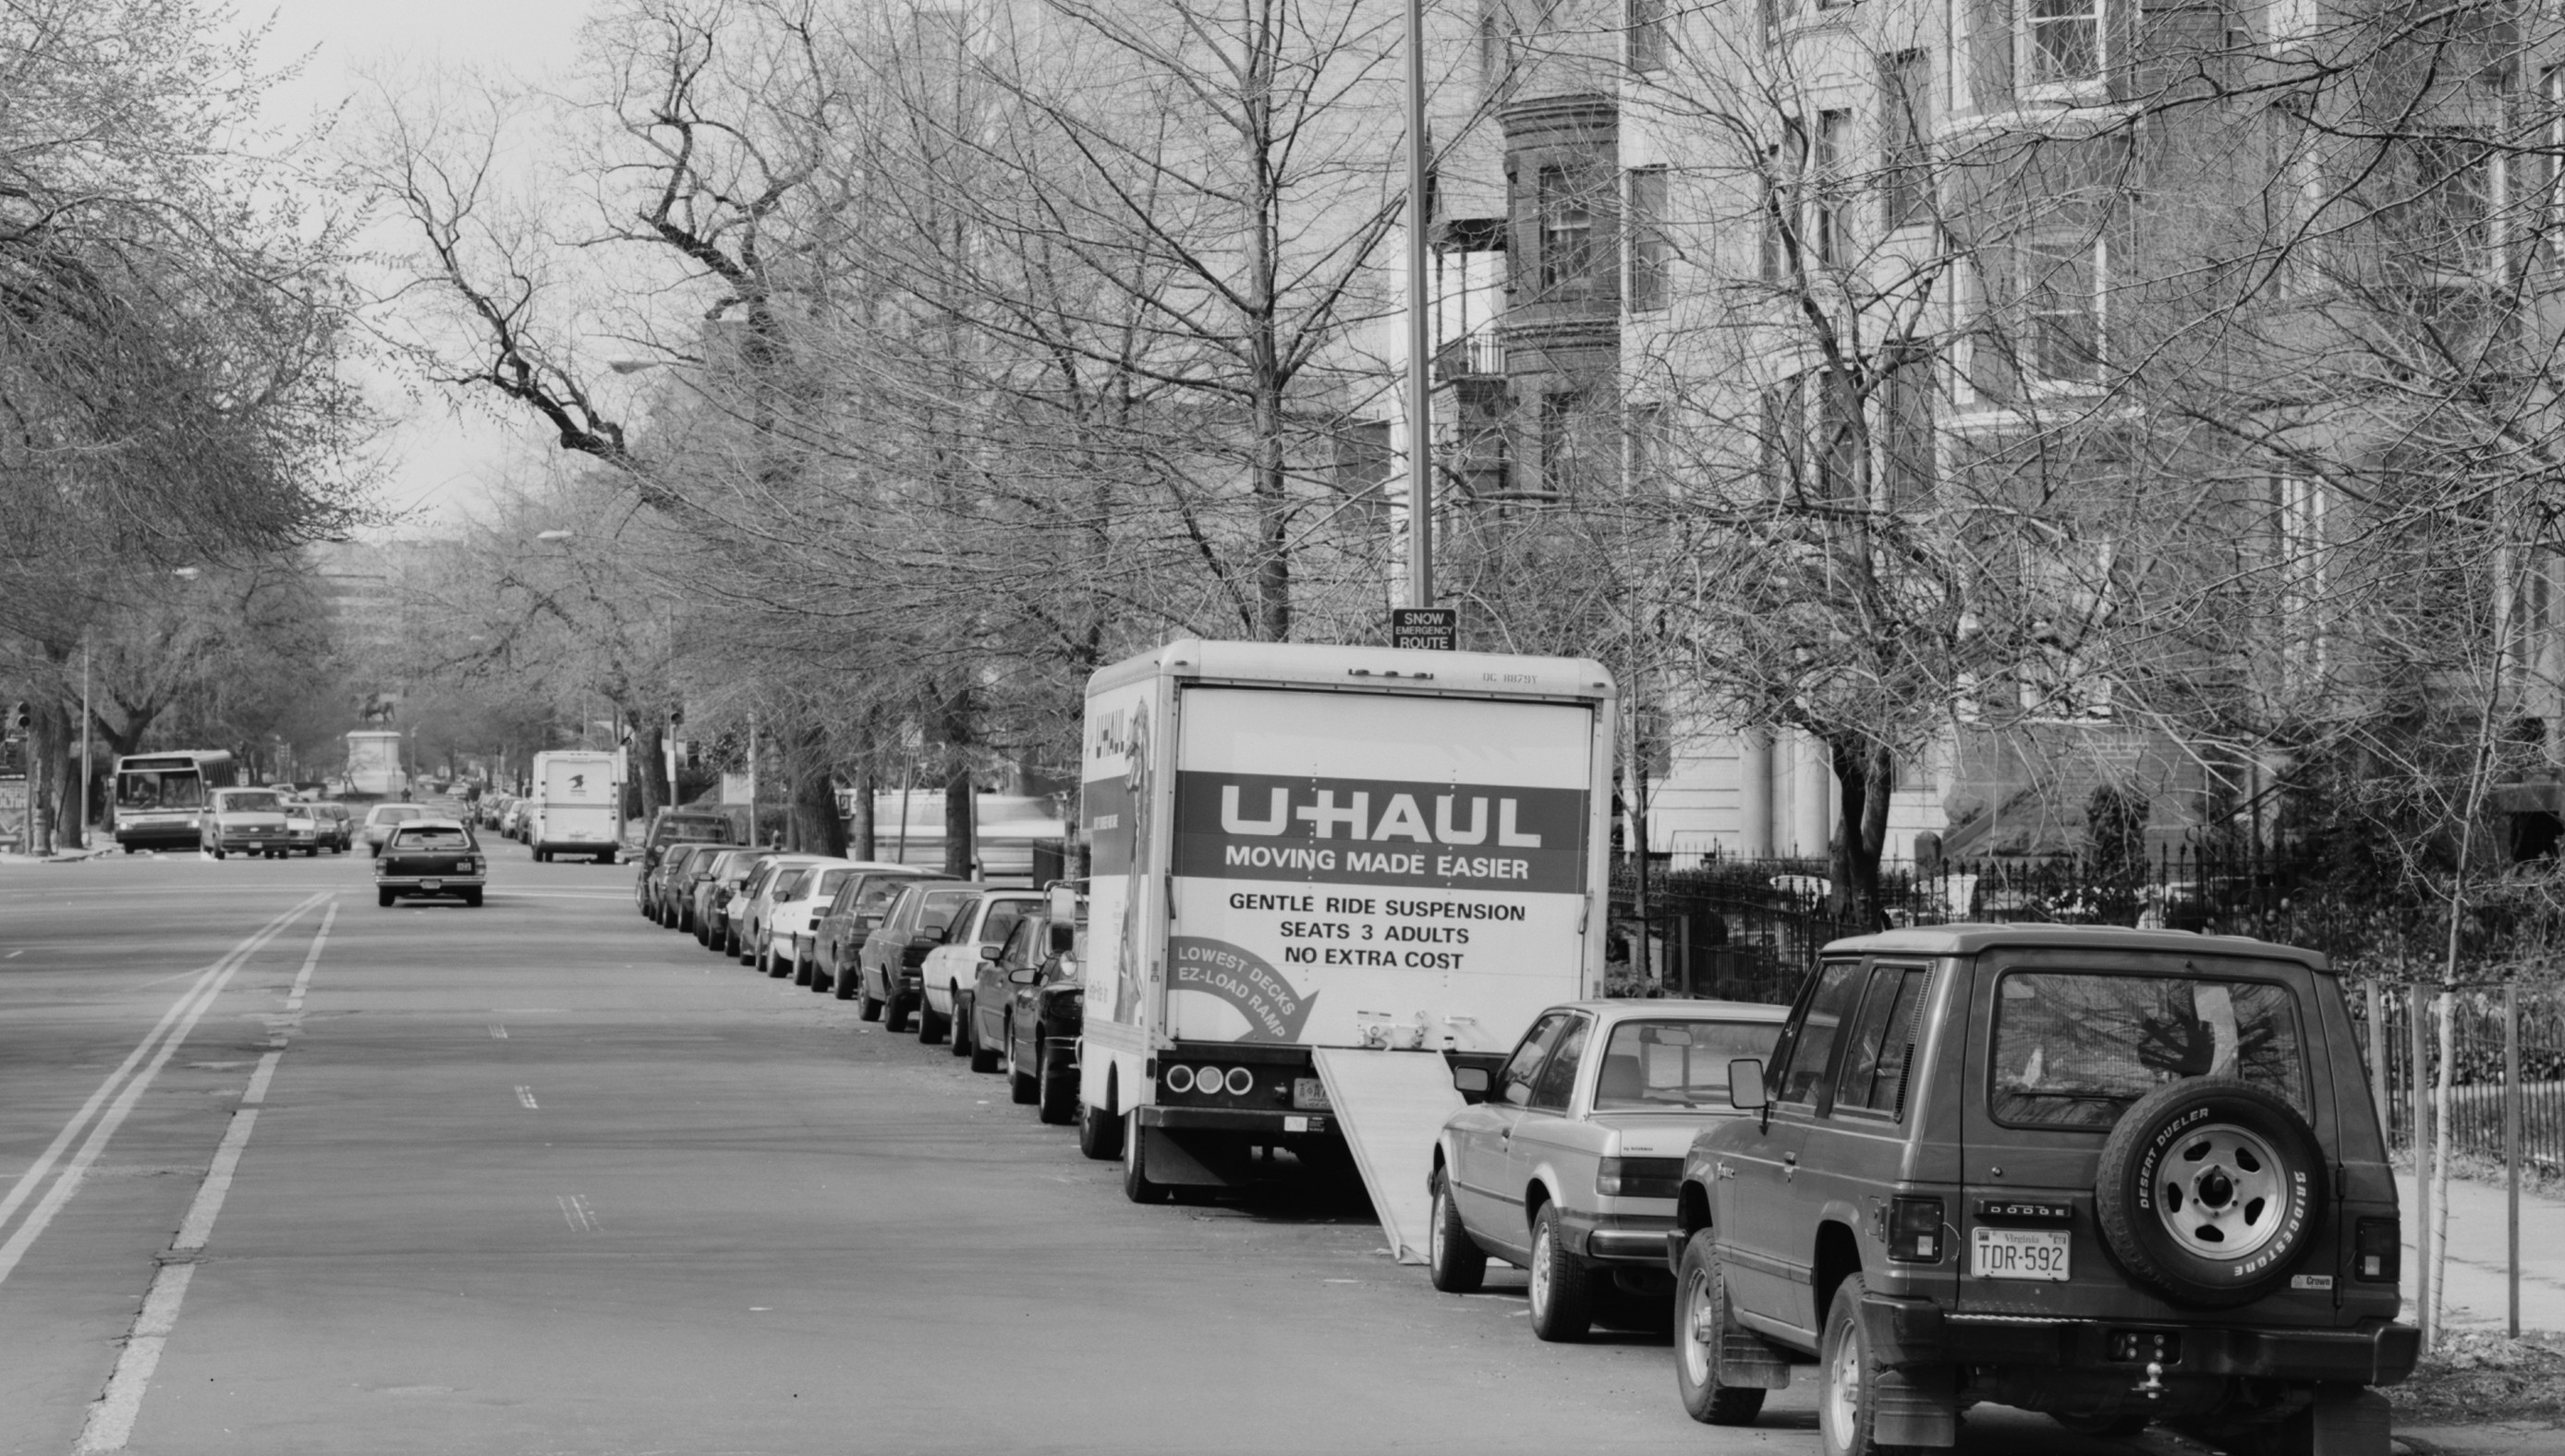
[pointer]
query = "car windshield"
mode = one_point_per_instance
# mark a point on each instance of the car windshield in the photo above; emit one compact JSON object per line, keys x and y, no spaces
{"x":2075,"y":1050}
{"x":249,"y":801}
{"x":1674,"y":1064}
{"x":432,"y":837}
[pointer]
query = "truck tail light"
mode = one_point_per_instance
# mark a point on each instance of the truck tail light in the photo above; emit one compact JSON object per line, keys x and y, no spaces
{"x":1915,"y":1230}
{"x":1638,"y":1177}
{"x":2377,"y":1250}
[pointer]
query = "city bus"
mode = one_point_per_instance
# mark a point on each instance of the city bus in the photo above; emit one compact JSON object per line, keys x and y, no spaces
{"x":158,"y":796}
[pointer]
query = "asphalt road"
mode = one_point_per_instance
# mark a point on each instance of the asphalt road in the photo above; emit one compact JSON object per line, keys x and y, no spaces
{"x":543,"y":1177}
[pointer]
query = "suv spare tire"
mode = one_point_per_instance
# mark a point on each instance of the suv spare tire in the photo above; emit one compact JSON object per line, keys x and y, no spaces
{"x":2212,"y":1191}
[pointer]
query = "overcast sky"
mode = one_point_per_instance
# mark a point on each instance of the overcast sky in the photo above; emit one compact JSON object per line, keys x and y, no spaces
{"x":438,"y":461}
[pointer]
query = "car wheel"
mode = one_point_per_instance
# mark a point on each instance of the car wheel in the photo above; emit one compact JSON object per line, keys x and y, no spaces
{"x":1020,"y":1082}
{"x":984,"y":1058}
{"x":931,"y":1027}
{"x":218,"y":853}
{"x":1703,"y":1329}
{"x":776,"y":966}
{"x":1100,"y":1132}
{"x":1848,"y":1380}
{"x":2212,"y":1191}
{"x":869,"y":1006}
{"x":958,"y":1039}
{"x":1562,"y":1292}
{"x":383,"y":898}
{"x":843,"y":985}
{"x":1135,"y":1174}
{"x":895,"y":1013}
{"x":472,"y":898}
{"x":1055,"y":1085}
{"x":1453,"y":1260}
{"x":801,"y":971}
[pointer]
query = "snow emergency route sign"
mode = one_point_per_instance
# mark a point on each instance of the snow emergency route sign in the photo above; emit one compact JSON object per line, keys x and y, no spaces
{"x":1340,"y":859}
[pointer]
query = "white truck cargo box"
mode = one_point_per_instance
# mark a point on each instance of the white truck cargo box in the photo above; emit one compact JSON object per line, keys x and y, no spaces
{"x":575,"y":810}
{"x":1304,"y":846}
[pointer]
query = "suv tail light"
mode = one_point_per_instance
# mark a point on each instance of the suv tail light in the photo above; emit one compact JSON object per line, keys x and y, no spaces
{"x":2377,"y":1253}
{"x":1915,"y":1230}
{"x":1638,"y":1177}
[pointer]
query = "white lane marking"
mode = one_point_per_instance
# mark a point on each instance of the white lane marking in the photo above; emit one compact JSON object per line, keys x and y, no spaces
{"x":576,"y":1212}
{"x":303,"y":978}
{"x":526,"y":1094}
{"x":120,"y":1091}
{"x":111,"y":1419}
{"x":199,"y":1223}
{"x":12,"y":955}
{"x":257,"y":1092}
{"x":498,"y":1033}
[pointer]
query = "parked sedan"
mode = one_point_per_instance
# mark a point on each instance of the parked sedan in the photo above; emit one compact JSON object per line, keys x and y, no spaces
{"x":1568,"y":1165}
{"x":837,"y":932}
{"x":713,"y":895}
{"x":886,"y":969}
{"x":785,"y":936}
{"x":334,"y":829}
{"x":975,"y":937}
{"x":756,"y":896}
{"x":1029,"y":1003}
{"x":659,"y":883}
{"x":430,"y":857}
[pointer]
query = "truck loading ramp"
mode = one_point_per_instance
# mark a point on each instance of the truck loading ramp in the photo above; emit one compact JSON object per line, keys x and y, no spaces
{"x":1391,"y":1106}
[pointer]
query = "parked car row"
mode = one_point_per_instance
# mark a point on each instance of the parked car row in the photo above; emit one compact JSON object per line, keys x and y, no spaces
{"x":989,"y":971}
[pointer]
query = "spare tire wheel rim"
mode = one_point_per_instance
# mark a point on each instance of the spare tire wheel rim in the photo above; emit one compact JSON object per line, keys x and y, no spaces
{"x":2221,"y":1193}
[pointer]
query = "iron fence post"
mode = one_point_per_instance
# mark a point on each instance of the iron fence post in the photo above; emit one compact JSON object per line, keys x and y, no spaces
{"x":2511,"y":1151}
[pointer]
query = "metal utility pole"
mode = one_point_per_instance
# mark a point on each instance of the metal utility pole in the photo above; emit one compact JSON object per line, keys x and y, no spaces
{"x":83,"y":820}
{"x":1420,"y":332}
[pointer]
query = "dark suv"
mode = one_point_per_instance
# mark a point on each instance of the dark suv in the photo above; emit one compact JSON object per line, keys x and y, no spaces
{"x":2119,"y":1176}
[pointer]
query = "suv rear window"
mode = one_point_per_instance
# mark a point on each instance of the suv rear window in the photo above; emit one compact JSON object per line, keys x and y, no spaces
{"x":2075,"y":1050}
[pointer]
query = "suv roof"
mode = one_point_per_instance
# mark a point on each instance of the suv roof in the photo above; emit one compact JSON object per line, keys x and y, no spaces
{"x":1968,"y":939}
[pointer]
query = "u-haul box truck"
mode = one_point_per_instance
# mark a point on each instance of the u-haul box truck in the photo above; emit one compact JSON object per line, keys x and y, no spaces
{"x":1322,"y":873}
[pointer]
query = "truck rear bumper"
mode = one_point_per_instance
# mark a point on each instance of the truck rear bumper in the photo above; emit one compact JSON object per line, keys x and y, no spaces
{"x":1254,"y":1121}
{"x":1912,"y":1332}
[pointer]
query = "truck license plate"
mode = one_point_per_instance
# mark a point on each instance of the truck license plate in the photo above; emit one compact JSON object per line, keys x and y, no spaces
{"x":431,"y":884}
{"x":2022,"y":1253}
{"x":1311,"y":1094}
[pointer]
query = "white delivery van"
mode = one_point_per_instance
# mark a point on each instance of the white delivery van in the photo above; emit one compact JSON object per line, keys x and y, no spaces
{"x":1322,"y":873}
{"x":574,"y":810}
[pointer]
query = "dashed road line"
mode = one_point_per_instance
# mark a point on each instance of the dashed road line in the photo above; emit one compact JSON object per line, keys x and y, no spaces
{"x":525,"y":1097}
{"x":107,"y":1107}
{"x":576,"y":1212}
{"x":498,"y":1033}
{"x":109,"y":1424}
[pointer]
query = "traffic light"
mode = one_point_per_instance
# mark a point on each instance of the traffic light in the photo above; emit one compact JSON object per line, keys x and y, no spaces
{"x":676,"y":717}
{"x":18,"y":718}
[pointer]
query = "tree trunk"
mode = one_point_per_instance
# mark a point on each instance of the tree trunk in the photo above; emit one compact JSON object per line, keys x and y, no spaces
{"x":650,"y":744}
{"x":863,"y":833}
{"x":961,"y":827}
{"x":818,"y":828}
{"x":1867,"y":774}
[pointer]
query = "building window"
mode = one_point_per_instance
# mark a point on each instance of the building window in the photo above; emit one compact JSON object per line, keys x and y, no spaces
{"x":1566,"y":462}
{"x":2062,"y":296}
{"x":1782,"y":167}
{"x":1651,"y":253}
{"x":1904,"y":129}
{"x":2448,"y":225}
{"x":2551,"y":211}
{"x":1843,"y":453}
{"x":1784,"y":442}
{"x":1651,"y":453}
{"x":1767,"y":20}
{"x":1647,"y":25}
{"x":1906,"y":450}
{"x":2066,"y":42}
{"x":1567,"y":251}
{"x":1833,"y":188}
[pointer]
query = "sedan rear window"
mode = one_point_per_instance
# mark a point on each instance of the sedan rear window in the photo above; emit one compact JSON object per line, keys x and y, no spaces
{"x":2075,"y":1050}
{"x":431,"y":839}
{"x":1676,"y":1063}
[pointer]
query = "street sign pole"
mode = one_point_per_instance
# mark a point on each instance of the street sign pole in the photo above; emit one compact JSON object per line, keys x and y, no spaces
{"x":1420,"y":401}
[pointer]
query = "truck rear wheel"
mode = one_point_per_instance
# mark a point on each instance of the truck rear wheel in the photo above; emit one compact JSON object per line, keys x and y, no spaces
{"x":1100,"y":1132}
{"x":1135,"y":1174}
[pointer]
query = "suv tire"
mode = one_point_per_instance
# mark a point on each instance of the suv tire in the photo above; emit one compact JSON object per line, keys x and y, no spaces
{"x":1848,"y":1380}
{"x":1703,"y":1328}
{"x":2206,"y":1163}
{"x":1562,"y":1288}
{"x":1453,"y":1260}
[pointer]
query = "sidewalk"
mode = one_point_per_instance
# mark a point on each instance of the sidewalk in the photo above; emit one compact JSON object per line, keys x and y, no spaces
{"x":2475,"y":1269}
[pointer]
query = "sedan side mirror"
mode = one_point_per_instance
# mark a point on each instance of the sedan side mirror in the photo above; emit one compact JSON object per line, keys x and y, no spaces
{"x":1746,"y":1084}
{"x":991,"y":952}
{"x":1471,"y":1083}
{"x":1023,"y":975}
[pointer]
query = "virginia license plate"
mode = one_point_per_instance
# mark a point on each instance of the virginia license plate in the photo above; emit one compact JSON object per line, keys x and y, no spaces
{"x":2021,"y":1254}
{"x":1311,"y":1094}
{"x":431,"y":884}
